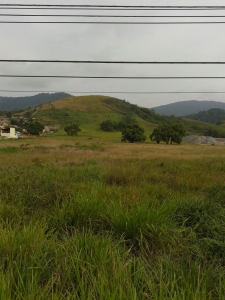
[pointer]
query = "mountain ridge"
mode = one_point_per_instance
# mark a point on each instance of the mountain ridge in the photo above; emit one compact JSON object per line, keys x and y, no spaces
{"x":18,"y":103}
{"x":183,"y":108}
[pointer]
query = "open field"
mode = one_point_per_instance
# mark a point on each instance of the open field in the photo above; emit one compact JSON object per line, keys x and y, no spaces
{"x":88,"y":218}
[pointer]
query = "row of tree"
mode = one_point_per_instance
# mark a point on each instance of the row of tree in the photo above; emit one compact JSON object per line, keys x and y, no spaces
{"x":168,"y":133}
{"x":109,"y":125}
{"x":133,"y":133}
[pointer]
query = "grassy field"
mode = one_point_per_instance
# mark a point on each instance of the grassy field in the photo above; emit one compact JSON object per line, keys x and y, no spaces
{"x":88,"y":218}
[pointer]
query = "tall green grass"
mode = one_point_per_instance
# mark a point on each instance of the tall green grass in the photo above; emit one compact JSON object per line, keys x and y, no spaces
{"x":112,"y":229}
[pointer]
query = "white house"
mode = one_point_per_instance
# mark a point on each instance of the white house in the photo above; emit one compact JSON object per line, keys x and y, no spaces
{"x":9,"y":133}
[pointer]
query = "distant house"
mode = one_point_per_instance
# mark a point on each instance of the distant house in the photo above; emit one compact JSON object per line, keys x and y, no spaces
{"x":4,"y":122}
{"x":9,"y":133}
{"x":50,"y":129}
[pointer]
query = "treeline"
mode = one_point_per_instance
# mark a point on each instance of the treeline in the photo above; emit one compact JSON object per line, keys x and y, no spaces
{"x":213,"y":116}
{"x":110,"y":126}
{"x":142,"y":112}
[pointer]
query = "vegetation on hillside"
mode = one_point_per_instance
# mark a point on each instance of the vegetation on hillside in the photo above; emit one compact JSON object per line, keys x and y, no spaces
{"x":126,"y":120}
{"x":34,"y":127}
{"x":213,"y":116}
{"x":72,"y":129}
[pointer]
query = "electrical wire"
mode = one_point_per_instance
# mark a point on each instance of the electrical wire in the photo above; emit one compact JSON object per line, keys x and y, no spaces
{"x":114,"y":6}
{"x":136,"y":8}
{"x":121,"y":92}
{"x":109,"y":16}
{"x":114,"y":62}
{"x":118,"y":23}
{"x":112,"y":77}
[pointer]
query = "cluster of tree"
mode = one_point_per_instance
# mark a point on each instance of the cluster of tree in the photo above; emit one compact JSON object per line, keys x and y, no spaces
{"x":142,"y":112}
{"x":168,"y":133}
{"x":110,"y":126}
{"x":72,"y":129}
{"x":31,"y":126}
{"x":213,"y":116}
{"x":214,"y":132}
{"x":34,"y":127}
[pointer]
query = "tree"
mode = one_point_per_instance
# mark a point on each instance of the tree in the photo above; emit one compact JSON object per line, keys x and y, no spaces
{"x":72,"y":129}
{"x":168,"y":133}
{"x":34,"y":127}
{"x":107,"y":125}
{"x":127,"y":120}
{"x":133,"y":134}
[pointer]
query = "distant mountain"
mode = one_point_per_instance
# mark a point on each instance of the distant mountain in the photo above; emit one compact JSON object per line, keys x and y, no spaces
{"x":16,"y":103}
{"x":213,"y":116}
{"x":184,"y":108}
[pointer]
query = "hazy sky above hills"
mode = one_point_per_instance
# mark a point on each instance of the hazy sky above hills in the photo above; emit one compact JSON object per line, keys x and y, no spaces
{"x":115,"y":42}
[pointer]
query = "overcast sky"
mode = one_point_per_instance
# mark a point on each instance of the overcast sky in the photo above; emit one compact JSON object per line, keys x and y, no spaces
{"x":115,"y":42}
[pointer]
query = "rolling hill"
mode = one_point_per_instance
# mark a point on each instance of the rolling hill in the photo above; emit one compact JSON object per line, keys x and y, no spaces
{"x":183,"y":108}
{"x":90,"y":111}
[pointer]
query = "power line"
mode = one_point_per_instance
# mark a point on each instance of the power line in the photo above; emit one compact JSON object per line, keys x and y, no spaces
{"x":114,"y":62}
{"x":113,"y":77}
{"x":115,"y":9}
{"x":119,"y":23}
{"x":119,"y":92}
{"x":109,"y":16}
{"x":115,"y":6}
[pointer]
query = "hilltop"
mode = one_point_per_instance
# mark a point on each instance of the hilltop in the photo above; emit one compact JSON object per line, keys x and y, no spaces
{"x":90,"y":111}
{"x":184,"y":108}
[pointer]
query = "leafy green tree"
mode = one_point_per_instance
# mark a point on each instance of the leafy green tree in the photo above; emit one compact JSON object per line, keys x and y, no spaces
{"x":168,"y":133}
{"x":133,"y":134}
{"x":156,"y":136}
{"x":107,"y":125}
{"x":127,"y":120}
{"x":72,"y":129}
{"x":212,"y":132}
{"x":34,"y":127}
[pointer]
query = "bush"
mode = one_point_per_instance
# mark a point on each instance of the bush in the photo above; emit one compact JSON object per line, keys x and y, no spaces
{"x":72,"y":129}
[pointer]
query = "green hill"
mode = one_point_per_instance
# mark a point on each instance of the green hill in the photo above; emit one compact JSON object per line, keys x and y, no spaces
{"x":90,"y":111}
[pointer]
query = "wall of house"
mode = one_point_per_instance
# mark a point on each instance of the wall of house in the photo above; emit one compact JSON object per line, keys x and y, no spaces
{"x":10,"y":135}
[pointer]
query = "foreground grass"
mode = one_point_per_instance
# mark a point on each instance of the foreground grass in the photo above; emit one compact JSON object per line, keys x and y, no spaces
{"x":96,"y":220}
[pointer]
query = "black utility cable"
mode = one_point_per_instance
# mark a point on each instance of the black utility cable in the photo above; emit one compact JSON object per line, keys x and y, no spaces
{"x":113,"y":77}
{"x":115,"y":62}
{"x":118,"y":23}
{"x":113,"y":9}
{"x":91,"y":92}
{"x":109,"y":16}
{"x":116,"y":6}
